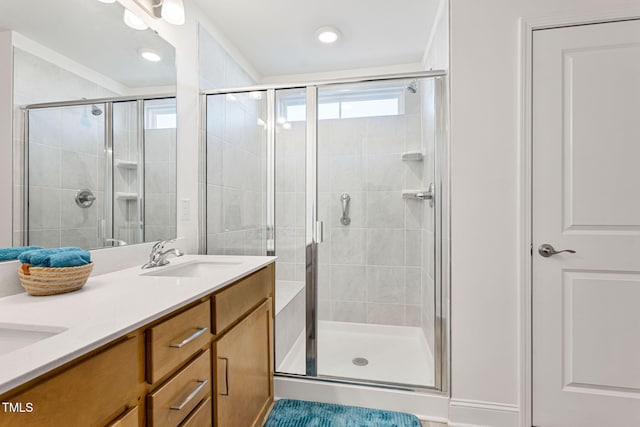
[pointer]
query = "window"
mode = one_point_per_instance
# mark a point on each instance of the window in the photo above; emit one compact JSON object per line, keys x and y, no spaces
{"x":160,"y":114}
{"x":348,"y":104}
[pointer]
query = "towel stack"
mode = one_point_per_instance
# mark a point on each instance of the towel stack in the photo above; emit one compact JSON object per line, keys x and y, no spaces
{"x":9,"y":254}
{"x":56,"y":258}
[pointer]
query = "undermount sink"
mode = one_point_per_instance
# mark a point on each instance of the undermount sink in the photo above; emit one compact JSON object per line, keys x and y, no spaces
{"x":194,"y":269}
{"x":15,"y":336}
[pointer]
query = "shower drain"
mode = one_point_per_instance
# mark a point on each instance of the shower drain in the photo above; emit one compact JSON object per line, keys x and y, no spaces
{"x":360,"y":361}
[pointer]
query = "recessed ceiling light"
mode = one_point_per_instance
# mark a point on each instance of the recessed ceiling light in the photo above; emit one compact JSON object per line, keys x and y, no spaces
{"x":132,"y":20}
{"x":328,"y":34}
{"x":107,"y":1}
{"x":150,"y":55}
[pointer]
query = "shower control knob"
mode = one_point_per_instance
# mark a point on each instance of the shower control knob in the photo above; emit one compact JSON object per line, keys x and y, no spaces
{"x":546,"y":250}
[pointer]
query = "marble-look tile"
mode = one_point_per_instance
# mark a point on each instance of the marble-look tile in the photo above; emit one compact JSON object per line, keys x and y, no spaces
{"x":413,"y":285}
{"x":386,"y":284}
{"x":345,"y":174}
{"x":214,"y":159}
{"x":385,"y":209}
{"x":413,"y":248}
{"x":385,"y":314}
{"x":214,"y":209}
{"x":385,"y":173}
{"x":385,"y":247}
{"x":79,"y":171}
{"x":348,"y":282}
{"x":44,"y":208}
{"x":44,"y":238}
{"x":44,"y":166}
{"x":232,"y":215}
{"x":413,"y":315}
{"x":348,"y":245}
{"x":348,"y":311}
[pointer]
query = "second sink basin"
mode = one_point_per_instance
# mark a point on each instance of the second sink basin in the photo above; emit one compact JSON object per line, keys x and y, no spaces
{"x":194,"y":269}
{"x":15,"y":336}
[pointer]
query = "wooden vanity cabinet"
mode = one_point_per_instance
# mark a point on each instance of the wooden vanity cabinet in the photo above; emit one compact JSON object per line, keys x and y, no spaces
{"x":94,"y":392}
{"x":172,"y":372}
{"x":244,"y":373}
{"x":243,"y":351}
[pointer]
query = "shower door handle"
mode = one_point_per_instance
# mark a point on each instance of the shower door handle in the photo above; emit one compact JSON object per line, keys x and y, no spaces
{"x":319,"y":231}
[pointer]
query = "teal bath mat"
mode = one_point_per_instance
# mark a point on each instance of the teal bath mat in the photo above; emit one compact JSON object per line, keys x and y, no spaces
{"x":298,"y":413}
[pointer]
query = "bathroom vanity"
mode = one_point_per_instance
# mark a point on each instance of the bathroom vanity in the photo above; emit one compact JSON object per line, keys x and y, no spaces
{"x":189,"y":344}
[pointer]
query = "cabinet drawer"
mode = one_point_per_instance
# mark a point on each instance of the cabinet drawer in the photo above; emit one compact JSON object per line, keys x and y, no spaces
{"x":91,"y":393}
{"x":201,"y":416}
{"x":173,"y":341}
{"x":174,"y":400}
{"x":129,"y":419}
{"x":233,"y":302}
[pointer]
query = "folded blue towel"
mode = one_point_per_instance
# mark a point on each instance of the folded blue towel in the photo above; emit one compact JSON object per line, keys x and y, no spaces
{"x":60,"y":257}
{"x":70,"y":259}
{"x":7,"y":254}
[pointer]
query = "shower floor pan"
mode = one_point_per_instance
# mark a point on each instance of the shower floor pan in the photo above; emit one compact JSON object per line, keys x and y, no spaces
{"x":396,"y":354}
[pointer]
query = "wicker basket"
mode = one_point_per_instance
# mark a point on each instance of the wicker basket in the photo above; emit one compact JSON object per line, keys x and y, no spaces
{"x":52,"y":281}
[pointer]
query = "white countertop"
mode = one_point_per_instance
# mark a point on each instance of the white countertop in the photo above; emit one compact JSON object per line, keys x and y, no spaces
{"x":107,"y":307}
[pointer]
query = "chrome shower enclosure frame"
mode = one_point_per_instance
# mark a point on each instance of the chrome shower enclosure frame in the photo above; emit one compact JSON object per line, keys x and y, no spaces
{"x":314,"y":228}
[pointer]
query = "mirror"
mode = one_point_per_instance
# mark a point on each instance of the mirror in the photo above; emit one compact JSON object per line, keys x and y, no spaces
{"x":96,"y":123}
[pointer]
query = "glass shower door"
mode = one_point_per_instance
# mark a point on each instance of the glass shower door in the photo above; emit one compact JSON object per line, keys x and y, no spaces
{"x":66,"y":176}
{"x":375,"y":287}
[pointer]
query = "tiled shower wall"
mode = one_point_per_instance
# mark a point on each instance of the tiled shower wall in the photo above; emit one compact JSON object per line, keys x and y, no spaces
{"x":68,"y":142}
{"x":235,"y":156}
{"x":370,"y":271}
{"x":160,"y":184}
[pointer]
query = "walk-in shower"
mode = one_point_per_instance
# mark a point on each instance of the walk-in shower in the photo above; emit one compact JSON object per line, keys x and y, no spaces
{"x":343,"y":181}
{"x":99,"y":172}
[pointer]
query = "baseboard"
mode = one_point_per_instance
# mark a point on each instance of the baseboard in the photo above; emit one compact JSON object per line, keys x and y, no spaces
{"x":426,"y":406}
{"x":466,"y":413}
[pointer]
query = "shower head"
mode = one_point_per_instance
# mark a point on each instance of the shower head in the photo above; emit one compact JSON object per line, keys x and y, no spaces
{"x":95,"y":110}
{"x":412,"y":87}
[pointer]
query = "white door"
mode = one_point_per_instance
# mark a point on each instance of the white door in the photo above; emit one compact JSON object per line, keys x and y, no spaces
{"x":586,"y":197}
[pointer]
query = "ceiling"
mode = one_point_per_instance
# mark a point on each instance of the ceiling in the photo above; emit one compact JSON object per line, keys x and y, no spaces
{"x":93,"y":34}
{"x":278,"y":36}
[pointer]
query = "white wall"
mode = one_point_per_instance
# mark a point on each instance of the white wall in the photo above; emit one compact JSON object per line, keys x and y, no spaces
{"x":487,"y":344}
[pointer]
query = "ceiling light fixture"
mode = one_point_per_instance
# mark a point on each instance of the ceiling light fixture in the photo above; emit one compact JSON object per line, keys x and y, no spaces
{"x":107,"y":1}
{"x":132,"y":20}
{"x":328,"y":34}
{"x":150,"y":55}
{"x":172,"y":11}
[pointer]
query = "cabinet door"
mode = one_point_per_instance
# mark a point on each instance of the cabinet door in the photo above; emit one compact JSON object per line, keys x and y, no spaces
{"x":244,"y":366}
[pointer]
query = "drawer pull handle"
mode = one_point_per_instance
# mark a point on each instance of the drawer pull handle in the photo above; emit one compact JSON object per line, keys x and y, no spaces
{"x":226,"y":376}
{"x":186,"y":341}
{"x":189,"y":398}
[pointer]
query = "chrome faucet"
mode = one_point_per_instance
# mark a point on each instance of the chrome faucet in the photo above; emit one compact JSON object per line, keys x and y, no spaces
{"x":159,"y":257}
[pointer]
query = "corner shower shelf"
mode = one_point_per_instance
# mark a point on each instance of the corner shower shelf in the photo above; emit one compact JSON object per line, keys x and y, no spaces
{"x":126,"y":196}
{"x":413,"y":156}
{"x":127,"y":164}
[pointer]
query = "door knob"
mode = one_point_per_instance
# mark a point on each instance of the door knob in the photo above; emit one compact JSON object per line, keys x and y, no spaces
{"x":546,"y":250}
